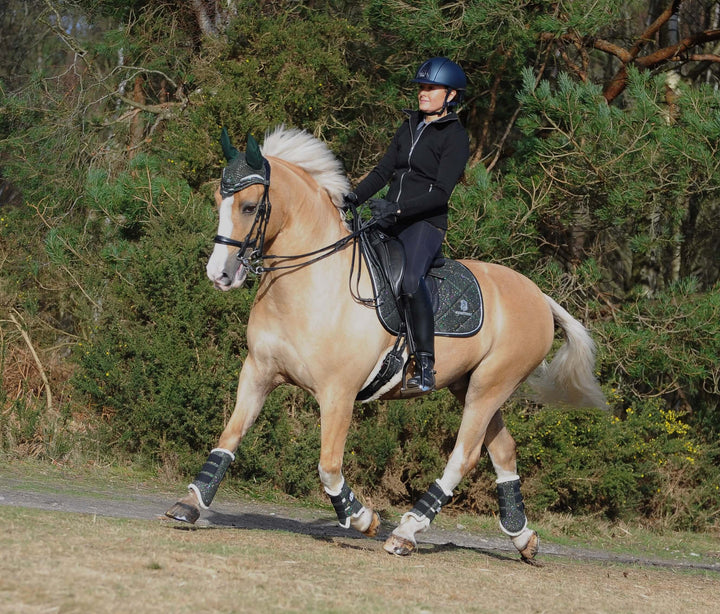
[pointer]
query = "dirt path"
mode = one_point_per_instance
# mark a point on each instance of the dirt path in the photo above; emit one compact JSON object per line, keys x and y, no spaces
{"x":319,"y":523}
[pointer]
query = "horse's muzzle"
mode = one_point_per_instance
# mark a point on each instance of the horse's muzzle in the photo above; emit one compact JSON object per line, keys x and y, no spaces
{"x":225,"y":270}
{"x":224,"y":282}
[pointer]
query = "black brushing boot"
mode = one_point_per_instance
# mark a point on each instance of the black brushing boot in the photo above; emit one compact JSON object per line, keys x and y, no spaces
{"x":421,"y":322}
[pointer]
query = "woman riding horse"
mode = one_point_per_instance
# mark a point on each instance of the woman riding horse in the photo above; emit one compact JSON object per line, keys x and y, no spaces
{"x":280,"y":216}
{"x":425,"y":160}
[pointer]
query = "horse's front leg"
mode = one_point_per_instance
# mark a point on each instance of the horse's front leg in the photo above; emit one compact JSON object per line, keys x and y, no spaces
{"x":513,"y":522}
{"x":335,"y":417}
{"x":253,"y":387}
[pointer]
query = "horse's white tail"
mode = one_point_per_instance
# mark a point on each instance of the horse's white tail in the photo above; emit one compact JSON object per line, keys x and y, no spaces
{"x":569,"y":378}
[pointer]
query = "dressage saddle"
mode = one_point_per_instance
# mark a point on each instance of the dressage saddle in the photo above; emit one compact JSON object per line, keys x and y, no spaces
{"x":456,"y":298}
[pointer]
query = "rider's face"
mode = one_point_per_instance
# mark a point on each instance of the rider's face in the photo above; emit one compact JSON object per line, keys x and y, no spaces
{"x":431,"y":97}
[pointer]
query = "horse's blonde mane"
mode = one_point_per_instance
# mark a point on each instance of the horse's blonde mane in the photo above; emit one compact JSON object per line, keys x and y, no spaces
{"x":312,"y":155}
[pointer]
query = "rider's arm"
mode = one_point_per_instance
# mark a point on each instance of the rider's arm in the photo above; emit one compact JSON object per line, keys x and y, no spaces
{"x":378,"y":178}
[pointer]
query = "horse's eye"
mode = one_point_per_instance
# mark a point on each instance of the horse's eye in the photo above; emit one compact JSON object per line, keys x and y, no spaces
{"x":248,"y":208}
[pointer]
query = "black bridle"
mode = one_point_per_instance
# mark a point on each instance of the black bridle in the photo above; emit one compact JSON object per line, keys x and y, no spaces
{"x":250,"y":249}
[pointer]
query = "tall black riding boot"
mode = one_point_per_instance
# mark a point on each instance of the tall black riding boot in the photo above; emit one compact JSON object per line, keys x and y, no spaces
{"x":421,"y":323}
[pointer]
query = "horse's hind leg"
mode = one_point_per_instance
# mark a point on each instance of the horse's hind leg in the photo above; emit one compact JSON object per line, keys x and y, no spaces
{"x":479,"y":408}
{"x":335,"y":417}
{"x":502,"y":451}
{"x":252,"y":391}
{"x":513,"y":522}
{"x":482,"y":422}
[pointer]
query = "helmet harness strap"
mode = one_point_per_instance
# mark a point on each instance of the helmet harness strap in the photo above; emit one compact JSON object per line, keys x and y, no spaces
{"x":442,"y":109}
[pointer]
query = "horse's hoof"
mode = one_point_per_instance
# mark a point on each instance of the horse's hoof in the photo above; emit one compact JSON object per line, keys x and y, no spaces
{"x":399,"y":546}
{"x":372,"y":530}
{"x":530,"y":550}
{"x":183,"y":512}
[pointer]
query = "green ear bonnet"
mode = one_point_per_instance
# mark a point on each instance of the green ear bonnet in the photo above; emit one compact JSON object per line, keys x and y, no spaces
{"x":242,"y":170}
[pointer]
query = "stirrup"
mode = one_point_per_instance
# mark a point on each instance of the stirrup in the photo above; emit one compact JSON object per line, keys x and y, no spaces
{"x":424,"y":377}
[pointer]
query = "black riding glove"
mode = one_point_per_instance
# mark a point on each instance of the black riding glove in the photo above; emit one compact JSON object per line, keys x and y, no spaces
{"x":350,"y":199}
{"x":384,"y":212}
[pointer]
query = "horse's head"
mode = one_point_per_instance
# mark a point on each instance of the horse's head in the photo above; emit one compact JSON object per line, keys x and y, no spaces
{"x":243,"y":205}
{"x":309,"y":184}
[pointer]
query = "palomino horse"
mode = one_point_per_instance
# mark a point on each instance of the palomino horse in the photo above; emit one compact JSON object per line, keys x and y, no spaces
{"x":308,"y":328}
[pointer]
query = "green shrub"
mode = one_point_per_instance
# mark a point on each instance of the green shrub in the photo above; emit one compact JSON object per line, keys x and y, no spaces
{"x":668,"y":345}
{"x":165,"y":350}
{"x":595,"y":462}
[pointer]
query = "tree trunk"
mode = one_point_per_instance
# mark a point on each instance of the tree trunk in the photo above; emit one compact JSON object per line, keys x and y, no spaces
{"x":137,"y":125}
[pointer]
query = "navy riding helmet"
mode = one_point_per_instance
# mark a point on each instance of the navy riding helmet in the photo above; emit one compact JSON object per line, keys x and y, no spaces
{"x":442,"y":71}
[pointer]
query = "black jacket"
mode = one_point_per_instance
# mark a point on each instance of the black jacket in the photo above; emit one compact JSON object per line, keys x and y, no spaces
{"x":422,"y":174}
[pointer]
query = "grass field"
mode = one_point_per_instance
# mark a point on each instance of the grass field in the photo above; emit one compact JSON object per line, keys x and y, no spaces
{"x":76,"y":563}
{"x":60,"y":562}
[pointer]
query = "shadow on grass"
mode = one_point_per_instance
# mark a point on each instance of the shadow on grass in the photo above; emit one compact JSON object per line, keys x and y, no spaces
{"x":326,"y":529}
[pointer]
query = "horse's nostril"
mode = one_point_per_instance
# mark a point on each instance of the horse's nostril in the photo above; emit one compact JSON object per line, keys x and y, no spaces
{"x":221,"y":280}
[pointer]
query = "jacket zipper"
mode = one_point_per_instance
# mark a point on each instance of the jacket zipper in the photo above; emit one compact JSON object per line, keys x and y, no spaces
{"x":412,"y":148}
{"x":413,"y":142}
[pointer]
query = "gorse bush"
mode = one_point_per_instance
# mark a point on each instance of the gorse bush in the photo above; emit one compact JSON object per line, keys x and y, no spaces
{"x":164,"y":346}
{"x":595,"y":462}
{"x":672,"y":353}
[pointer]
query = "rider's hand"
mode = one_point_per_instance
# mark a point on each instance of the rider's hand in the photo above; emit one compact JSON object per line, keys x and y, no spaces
{"x":350,"y":199}
{"x":384,"y":212}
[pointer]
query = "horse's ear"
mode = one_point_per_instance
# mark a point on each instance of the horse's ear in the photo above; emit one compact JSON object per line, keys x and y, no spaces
{"x":228,"y":150}
{"x":252,"y":154}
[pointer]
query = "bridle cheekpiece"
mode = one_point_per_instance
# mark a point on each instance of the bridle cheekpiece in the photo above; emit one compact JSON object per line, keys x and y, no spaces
{"x":241,"y":172}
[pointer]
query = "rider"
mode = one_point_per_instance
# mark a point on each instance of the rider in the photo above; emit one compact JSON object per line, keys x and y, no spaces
{"x":425,"y":160}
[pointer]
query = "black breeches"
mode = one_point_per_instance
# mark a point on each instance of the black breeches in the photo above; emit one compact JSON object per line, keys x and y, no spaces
{"x":422,"y":242}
